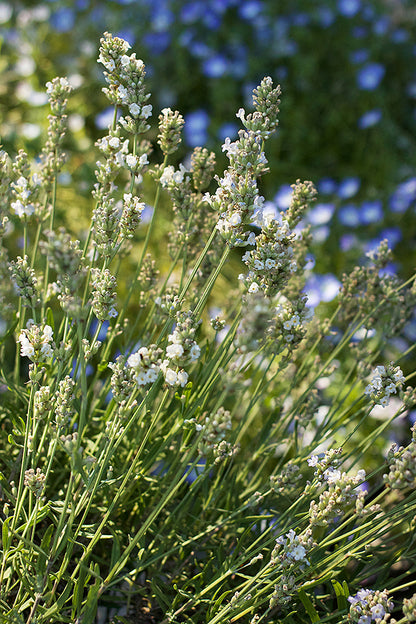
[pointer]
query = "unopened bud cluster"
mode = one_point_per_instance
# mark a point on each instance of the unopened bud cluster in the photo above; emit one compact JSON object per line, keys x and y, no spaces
{"x":103,"y":294}
{"x":409,"y":608}
{"x":35,"y":481}
{"x":213,"y":430}
{"x":64,"y":398}
{"x":170,"y":127}
{"x":52,"y":157}
{"x":25,"y":280}
{"x":402,"y":465}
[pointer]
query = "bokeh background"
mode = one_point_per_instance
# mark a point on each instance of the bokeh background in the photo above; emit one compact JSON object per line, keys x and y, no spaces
{"x":347,"y":69}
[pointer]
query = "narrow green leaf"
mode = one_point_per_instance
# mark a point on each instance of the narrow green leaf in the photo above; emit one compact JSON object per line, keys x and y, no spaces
{"x":91,"y":603}
{"x":340,"y":595}
{"x":310,"y":609}
{"x":6,"y":538}
{"x":49,"y":319}
{"x":44,"y":550}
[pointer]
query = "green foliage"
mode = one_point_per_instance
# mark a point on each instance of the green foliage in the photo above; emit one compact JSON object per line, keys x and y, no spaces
{"x":163,"y":460}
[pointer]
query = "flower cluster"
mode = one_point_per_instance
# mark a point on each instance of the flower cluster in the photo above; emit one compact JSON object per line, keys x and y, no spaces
{"x":182,"y":350}
{"x":25,"y":280}
{"x":35,"y":481}
{"x":237,"y":198}
{"x":342,"y":493}
{"x":104,"y":294}
{"x":43,"y":401}
{"x":286,"y":326}
{"x":385,"y":382}
{"x":25,"y":189}
{"x":409,"y":608}
{"x":272,"y":261}
{"x":145,"y":364}
{"x":122,"y":382}
{"x":370,"y":291}
{"x":370,"y":606}
{"x":202,"y":168}
{"x":290,"y":554}
{"x":125,"y":76}
{"x":130,"y":216}
{"x":170,"y":126}
{"x":36,"y":342}
{"x":108,"y":219}
{"x":402,"y":465}
{"x":287,"y":479}
{"x":52,"y":157}
{"x":264,"y":120}
{"x":213,"y":430}
{"x":64,"y":409}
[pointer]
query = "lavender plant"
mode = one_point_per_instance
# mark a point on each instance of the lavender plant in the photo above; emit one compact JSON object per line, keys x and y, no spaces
{"x":193,"y":444}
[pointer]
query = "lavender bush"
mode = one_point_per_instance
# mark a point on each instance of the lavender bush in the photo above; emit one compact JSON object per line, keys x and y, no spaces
{"x":188,"y":441}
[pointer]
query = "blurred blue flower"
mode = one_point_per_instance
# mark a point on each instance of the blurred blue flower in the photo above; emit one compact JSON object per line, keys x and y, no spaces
{"x":191,"y":12}
{"x":347,"y":242}
{"x":63,"y":19}
{"x":359,"y":32}
{"x":403,"y":196}
{"x":368,"y":12}
{"x":320,"y":214}
{"x":320,"y":234}
{"x":227,"y":130}
{"x":327,"y":186}
{"x":389,"y":270}
{"x":215,"y":66}
{"x":411,"y":89}
{"x":325,"y":16}
{"x":399,"y":35}
{"x":381,"y":25}
{"x":349,"y":8}
{"x":349,"y":215}
{"x":374,"y":243}
{"x":162,"y":17}
{"x":128,"y":35}
{"x":300,"y":19}
{"x":199,"y":49}
{"x":359,"y":56}
{"x":196,"y":127}
{"x":371,"y":212}
{"x":410,"y":332}
{"x":211,"y":19}
{"x":103,"y":329}
{"x":249,"y":9}
{"x":321,"y":288}
{"x":370,"y":76}
{"x":147,"y":214}
{"x":393,"y":234}
{"x":104,"y":119}
{"x":157,"y":42}
{"x":310,"y":262}
{"x":348,"y":187}
{"x":370,"y":118}
{"x":283,"y":197}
